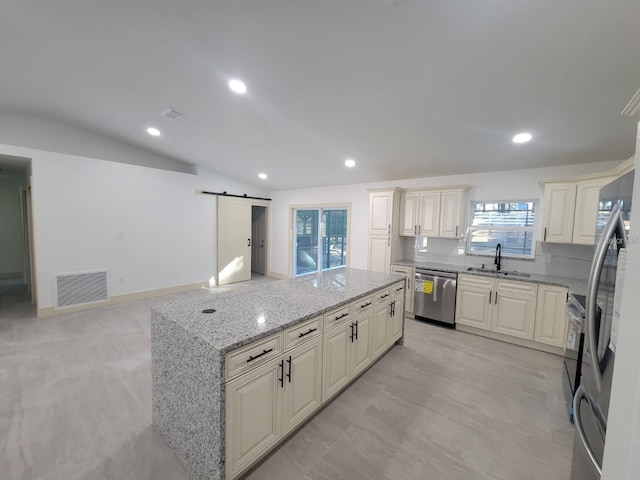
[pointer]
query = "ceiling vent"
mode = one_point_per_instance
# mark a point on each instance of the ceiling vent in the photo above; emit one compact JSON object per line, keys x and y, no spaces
{"x":171,"y":114}
{"x":633,"y":107}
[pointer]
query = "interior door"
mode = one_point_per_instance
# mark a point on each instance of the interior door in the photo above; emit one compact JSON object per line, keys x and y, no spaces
{"x":234,"y":240}
{"x":258,"y":239}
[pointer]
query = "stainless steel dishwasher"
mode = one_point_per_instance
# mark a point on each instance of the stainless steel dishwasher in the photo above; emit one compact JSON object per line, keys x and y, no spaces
{"x":435,"y":296}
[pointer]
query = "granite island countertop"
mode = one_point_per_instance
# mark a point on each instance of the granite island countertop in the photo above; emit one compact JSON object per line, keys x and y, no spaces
{"x":248,"y":314}
{"x":575,"y":285}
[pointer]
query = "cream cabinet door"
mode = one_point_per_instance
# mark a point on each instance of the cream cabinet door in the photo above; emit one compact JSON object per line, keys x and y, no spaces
{"x":379,"y":329}
{"x":409,"y":273}
{"x":473,"y":301}
{"x":379,"y":253}
{"x":551,"y":319}
{"x":394,"y":321}
{"x":586,"y":211}
{"x":302,"y":383}
{"x":336,"y":360}
{"x":559,"y":210}
{"x":409,"y":214}
{"x":252,"y":416}
{"x":451,"y":204}
{"x":514,"y":308}
{"x":234,"y":240}
{"x":361,"y":344}
{"x":380,"y":213}
{"x":429,"y":214}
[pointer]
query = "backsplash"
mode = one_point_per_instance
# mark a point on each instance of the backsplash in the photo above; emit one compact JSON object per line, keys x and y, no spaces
{"x":551,"y":258}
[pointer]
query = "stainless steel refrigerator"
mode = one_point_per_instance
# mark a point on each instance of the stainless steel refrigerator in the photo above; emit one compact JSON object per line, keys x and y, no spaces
{"x":591,"y":399}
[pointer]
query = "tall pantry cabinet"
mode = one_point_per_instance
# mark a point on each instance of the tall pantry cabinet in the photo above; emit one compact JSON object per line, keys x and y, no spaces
{"x":384,"y":241}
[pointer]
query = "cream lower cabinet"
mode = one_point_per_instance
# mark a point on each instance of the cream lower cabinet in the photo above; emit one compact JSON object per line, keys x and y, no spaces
{"x":388,"y":313}
{"x":551,"y":319}
{"x":268,"y":402}
{"x":409,"y":273}
{"x":502,"y":306}
{"x":347,"y":349}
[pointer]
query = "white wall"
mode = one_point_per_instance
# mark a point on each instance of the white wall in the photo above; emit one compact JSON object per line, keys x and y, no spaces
{"x":81,"y":205}
{"x":622,"y":451}
{"x":505,"y":185}
{"x":11,"y":241}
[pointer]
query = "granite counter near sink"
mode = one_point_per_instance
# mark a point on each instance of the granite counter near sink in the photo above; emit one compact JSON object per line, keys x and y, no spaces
{"x":575,"y":285}
{"x":189,"y":348}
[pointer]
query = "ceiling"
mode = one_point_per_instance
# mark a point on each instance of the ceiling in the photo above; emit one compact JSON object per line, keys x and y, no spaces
{"x":408,"y":88}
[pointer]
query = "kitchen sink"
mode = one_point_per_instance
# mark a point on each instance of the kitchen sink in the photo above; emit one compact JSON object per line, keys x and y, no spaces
{"x":501,"y":273}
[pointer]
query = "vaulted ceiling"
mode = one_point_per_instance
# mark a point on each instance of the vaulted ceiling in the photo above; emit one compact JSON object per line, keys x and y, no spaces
{"x":407,"y":88}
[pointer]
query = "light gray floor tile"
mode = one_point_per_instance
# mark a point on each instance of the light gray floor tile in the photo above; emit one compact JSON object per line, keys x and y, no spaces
{"x":75,"y":404}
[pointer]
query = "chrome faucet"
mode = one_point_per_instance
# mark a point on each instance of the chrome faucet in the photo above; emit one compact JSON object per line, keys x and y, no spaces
{"x":498,"y":258}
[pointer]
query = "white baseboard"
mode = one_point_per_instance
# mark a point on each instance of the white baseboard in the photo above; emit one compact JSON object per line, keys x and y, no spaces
{"x":128,"y":297}
{"x":509,"y":339}
{"x":278,"y":276}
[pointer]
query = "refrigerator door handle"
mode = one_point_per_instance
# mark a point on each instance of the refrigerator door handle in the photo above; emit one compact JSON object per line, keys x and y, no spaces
{"x":577,"y":417}
{"x":614,"y":225}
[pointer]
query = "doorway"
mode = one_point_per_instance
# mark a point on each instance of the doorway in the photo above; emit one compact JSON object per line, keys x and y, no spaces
{"x":259,"y":239}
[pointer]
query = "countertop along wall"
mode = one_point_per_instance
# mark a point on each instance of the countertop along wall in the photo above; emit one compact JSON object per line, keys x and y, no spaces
{"x":504,"y":185}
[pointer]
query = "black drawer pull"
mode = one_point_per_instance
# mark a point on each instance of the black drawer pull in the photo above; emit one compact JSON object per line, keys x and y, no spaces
{"x":385,"y":295}
{"x":311,"y":330}
{"x":365,"y":305}
{"x":399,"y":288}
{"x":341,"y":316}
{"x":264,"y":352}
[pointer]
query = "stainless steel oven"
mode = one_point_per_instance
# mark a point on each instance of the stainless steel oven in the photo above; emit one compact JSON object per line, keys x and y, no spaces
{"x":435,"y":296}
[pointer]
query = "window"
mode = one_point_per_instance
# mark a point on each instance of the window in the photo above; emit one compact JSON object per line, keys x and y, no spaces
{"x":320,"y":240}
{"x":511,"y":224}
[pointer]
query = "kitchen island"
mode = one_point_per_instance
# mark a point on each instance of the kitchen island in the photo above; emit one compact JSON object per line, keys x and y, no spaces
{"x":235,"y":372}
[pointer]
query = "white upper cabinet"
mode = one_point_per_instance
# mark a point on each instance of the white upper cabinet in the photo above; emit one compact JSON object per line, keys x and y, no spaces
{"x":381,"y":212}
{"x":571,"y":209}
{"x":384,"y":218}
{"x":433,"y":212}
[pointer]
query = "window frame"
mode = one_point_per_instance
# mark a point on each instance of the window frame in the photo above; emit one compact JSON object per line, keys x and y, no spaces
{"x":532,"y":229}
{"x":292,"y":234}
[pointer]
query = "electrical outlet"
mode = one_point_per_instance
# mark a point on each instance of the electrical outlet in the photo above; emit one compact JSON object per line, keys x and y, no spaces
{"x":121,"y":279}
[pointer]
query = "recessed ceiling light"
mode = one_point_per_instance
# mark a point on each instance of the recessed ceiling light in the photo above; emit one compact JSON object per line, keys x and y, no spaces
{"x":523,"y":137}
{"x":237,"y":86}
{"x":153,"y":131}
{"x":263,"y":176}
{"x":350,"y":162}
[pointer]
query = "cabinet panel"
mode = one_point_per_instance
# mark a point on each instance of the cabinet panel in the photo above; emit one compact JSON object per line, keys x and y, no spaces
{"x":250,"y":356}
{"x":429,"y":214}
{"x":336,"y":360}
{"x":380,"y":212}
{"x":394,"y":321}
{"x":559,"y":209}
{"x":587,"y":198}
{"x":362,"y":344}
{"x":472,"y":307}
{"x":303,"y":383}
{"x":551,"y":319}
{"x":303,"y":332}
{"x":252,"y":402}
{"x":409,"y":273}
{"x":379,"y":254}
{"x":451,"y":214}
{"x":409,"y":214}
{"x":514,"y":309}
{"x":379,"y":329}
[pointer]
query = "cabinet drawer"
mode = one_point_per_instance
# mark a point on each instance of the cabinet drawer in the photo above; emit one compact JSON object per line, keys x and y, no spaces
{"x":250,"y":356}
{"x":381,"y":296}
{"x":362,"y":306}
{"x":408,"y":271}
{"x":397,"y":289}
{"x":475,"y":281}
{"x":517,"y":289}
{"x":302,"y":332}
{"x":336,"y":317}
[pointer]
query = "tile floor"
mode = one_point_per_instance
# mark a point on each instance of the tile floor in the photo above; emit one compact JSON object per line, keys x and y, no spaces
{"x":75,"y":404}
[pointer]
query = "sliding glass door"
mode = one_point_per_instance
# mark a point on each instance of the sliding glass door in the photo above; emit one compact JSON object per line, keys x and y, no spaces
{"x":320,"y":239}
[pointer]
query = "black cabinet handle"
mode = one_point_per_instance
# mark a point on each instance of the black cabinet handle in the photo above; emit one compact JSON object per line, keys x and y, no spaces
{"x":352,"y":334}
{"x":490,"y":292}
{"x":356,"y":334}
{"x":248,"y":242}
{"x":365,"y":305}
{"x":456,"y":230}
{"x":281,"y":379}
{"x":311,"y":330}
{"x":384,"y":296}
{"x":544,"y":239}
{"x":399,"y":289}
{"x":264,"y":352}
{"x":289,"y":374}
{"x":495,"y":302}
{"x":341,"y":316}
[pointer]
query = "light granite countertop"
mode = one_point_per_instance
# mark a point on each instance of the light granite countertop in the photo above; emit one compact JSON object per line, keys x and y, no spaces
{"x":575,"y":285}
{"x":247,"y":314}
